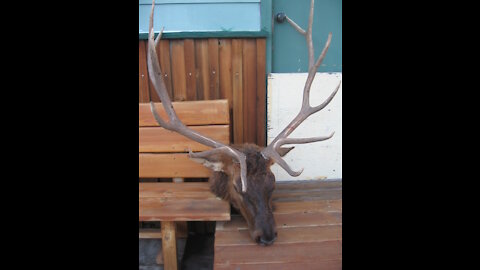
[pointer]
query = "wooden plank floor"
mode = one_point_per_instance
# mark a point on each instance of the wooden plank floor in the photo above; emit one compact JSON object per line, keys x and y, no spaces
{"x":308,"y":215}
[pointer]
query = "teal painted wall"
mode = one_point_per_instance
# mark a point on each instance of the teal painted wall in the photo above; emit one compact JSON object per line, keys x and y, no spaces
{"x":290,"y":52}
{"x":201,"y":16}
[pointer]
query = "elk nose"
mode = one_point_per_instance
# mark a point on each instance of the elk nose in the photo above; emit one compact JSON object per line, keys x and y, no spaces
{"x":262,"y":240}
{"x":265,"y":242}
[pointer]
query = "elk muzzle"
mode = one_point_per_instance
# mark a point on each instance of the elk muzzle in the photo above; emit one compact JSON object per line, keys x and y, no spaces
{"x":261,"y":224}
{"x":264,"y":232}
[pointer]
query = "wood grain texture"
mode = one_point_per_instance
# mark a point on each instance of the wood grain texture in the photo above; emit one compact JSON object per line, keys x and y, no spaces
{"x":211,"y":68}
{"x":143,"y":81}
{"x":179,"y":78}
{"x":214,"y":81}
{"x":291,"y":220}
{"x":180,"y":202}
{"x":165,"y":66}
{"x":169,"y":245}
{"x":323,"y":265}
{"x":225,"y":66}
{"x":190,"y":113}
{"x":249,"y":91}
{"x":155,"y":209}
{"x":237,"y":88}
{"x":201,"y":62}
{"x":282,"y":253}
{"x":314,"y":194}
{"x":261,"y":93}
{"x":308,"y":206}
{"x":186,"y":190}
{"x":285,"y":235}
{"x":304,"y":186}
{"x":309,"y":232}
{"x":174,"y":208}
{"x":153,"y":92}
{"x":190,"y":70}
{"x":160,"y":140}
{"x":182,"y":226}
{"x":170,"y":165}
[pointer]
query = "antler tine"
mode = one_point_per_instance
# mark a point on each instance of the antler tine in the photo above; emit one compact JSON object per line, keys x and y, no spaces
{"x":275,"y":147}
{"x":279,"y":160}
{"x":174,"y":122}
{"x":155,"y":75}
{"x":283,"y":141}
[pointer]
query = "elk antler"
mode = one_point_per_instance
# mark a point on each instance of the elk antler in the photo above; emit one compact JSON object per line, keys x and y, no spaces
{"x":174,"y":124}
{"x":274,"y":150}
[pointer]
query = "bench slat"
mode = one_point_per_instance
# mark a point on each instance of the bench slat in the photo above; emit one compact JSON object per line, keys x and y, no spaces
{"x":157,"y":139}
{"x":161,"y":209}
{"x":183,"y":202}
{"x":196,"y":190}
{"x":204,"y":112}
{"x":170,"y":165}
{"x":169,"y":209}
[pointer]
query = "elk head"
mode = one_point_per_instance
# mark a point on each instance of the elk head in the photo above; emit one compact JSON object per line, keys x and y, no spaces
{"x":241,"y":173}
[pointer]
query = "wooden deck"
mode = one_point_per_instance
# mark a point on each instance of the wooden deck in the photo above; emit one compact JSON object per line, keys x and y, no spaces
{"x":308,"y":215}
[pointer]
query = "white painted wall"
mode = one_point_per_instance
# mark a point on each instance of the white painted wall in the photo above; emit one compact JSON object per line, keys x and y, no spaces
{"x":320,"y":160}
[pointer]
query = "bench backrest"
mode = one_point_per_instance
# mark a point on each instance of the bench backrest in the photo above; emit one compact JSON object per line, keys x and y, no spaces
{"x":163,"y":153}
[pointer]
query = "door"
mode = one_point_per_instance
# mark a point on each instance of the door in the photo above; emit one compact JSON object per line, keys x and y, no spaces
{"x":289,"y":49}
{"x":320,"y":160}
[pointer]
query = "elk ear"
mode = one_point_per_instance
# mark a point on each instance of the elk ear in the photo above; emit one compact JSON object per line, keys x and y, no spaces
{"x":212,"y":163}
{"x":282,"y":151}
{"x":218,"y":162}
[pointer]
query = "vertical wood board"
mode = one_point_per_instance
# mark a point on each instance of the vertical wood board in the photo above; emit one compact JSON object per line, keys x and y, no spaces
{"x":211,"y":68}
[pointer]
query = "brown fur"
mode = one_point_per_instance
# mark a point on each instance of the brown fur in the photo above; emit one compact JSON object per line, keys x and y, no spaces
{"x":256,"y":204}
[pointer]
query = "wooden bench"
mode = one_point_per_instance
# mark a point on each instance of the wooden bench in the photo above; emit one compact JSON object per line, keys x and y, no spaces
{"x":308,"y":216}
{"x":163,"y":154}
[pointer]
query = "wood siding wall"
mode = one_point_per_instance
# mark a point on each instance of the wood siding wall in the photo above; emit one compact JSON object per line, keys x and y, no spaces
{"x":214,"y":68}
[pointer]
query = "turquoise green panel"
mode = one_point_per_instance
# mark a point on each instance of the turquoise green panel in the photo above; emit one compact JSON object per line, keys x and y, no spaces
{"x":266,"y":24}
{"x":198,"y":16}
{"x":290,"y":52}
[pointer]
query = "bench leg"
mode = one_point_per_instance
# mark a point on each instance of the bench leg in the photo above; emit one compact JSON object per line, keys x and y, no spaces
{"x":169,"y":245}
{"x":182,"y":227}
